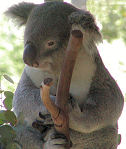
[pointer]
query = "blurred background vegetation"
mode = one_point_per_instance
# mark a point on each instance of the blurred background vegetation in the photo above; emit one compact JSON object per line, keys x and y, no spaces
{"x":11,"y":48}
{"x":111,"y":18}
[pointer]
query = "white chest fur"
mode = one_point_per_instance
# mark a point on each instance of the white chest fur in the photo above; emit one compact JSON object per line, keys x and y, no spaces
{"x":83,"y":72}
{"x":82,"y":76}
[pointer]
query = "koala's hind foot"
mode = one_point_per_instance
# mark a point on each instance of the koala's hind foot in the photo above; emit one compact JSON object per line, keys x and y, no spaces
{"x":56,"y":141}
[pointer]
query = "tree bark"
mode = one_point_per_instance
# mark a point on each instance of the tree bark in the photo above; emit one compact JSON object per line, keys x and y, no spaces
{"x":79,"y":3}
{"x":53,"y":0}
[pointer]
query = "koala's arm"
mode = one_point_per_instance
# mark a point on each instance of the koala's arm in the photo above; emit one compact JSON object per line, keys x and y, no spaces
{"x":27,"y":100}
{"x":102,"y":107}
{"x":103,"y":112}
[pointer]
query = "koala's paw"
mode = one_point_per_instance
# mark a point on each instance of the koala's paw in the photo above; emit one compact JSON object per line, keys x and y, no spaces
{"x":84,"y":19}
{"x":44,"y":124}
{"x":46,"y":119}
{"x":56,"y":141}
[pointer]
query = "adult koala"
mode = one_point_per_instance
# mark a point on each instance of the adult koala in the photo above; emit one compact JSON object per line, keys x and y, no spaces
{"x":96,"y":102}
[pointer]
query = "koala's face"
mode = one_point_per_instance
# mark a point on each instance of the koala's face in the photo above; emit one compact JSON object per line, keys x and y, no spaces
{"x":46,"y":35}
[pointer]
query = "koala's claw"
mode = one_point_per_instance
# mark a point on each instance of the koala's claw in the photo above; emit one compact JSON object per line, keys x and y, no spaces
{"x":58,"y":135}
{"x":39,"y":126}
{"x":42,"y":116}
{"x":46,"y":119}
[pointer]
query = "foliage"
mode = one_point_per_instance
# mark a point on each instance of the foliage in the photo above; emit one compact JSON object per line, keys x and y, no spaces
{"x":7,"y":119}
{"x":112,"y":16}
{"x":11,"y":48}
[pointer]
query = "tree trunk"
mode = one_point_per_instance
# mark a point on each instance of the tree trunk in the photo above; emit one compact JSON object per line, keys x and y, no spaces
{"x":79,"y":3}
{"x":53,"y":0}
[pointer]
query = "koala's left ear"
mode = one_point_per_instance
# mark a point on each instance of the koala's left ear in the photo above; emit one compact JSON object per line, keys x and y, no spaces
{"x":84,"y":21}
{"x":20,"y":12}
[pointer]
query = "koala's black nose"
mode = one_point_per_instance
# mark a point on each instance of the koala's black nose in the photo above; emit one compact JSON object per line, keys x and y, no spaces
{"x":30,"y":53}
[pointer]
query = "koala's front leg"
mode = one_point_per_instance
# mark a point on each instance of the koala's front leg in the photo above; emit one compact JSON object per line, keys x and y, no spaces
{"x":99,"y":110}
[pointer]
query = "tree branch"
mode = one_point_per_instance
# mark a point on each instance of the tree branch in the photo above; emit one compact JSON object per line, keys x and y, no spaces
{"x":53,"y":0}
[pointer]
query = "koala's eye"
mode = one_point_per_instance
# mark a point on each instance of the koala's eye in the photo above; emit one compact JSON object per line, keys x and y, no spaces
{"x":51,"y":43}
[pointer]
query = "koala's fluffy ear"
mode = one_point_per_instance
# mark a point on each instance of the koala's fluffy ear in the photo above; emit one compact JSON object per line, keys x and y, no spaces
{"x":20,"y":12}
{"x":84,"y":21}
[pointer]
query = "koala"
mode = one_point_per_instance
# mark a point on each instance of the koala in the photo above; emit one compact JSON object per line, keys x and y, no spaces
{"x":96,"y":101}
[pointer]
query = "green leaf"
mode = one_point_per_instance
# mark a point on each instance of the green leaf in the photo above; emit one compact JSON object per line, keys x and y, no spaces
{"x":7,"y":117}
{"x":8,"y":94}
{"x":8,"y":78}
{"x":10,"y":117}
{"x":13,"y":145}
{"x":1,"y":91}
{"x":7,"y":134}
{"x":7,"y":103}
{"x":2,"y":117}
{"x":8,"y":100}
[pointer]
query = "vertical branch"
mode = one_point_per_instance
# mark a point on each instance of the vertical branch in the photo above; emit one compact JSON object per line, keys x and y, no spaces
{"x":68,"y":66}
{"x":53,"y":0}
{"x":79,"y":3}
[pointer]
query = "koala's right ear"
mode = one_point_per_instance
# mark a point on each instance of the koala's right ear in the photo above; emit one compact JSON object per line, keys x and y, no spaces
{"x":20,"y":12}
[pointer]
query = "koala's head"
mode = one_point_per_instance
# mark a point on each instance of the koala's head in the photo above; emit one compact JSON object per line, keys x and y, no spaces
{"x":46,"y":33}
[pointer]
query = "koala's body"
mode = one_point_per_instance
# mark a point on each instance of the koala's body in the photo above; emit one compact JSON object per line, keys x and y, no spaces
{"x":97,"y":101}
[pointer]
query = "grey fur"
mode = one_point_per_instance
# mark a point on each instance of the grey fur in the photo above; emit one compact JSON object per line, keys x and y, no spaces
{"x":97,"y":100}
{"x":20,"y":12}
